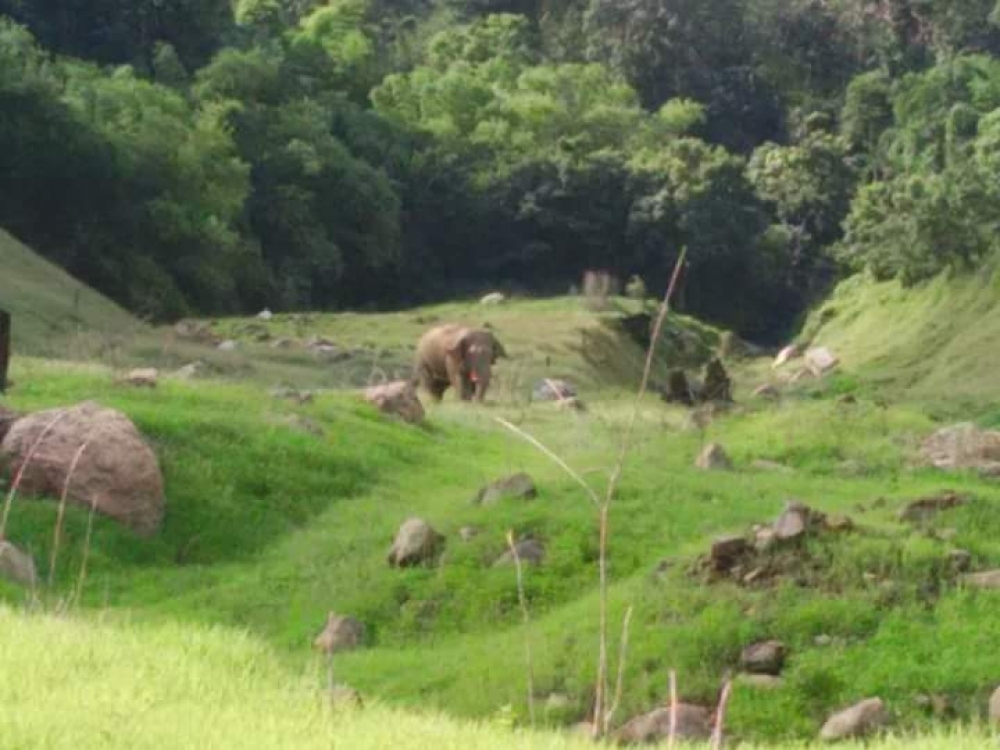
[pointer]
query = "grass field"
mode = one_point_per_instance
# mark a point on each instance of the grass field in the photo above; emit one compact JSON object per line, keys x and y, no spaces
{"x":279,"y":512}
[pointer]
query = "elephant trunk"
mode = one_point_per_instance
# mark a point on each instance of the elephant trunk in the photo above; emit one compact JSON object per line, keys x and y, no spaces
{"x":480,"y":382}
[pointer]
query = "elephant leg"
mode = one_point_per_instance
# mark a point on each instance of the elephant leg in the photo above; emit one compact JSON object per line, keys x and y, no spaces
{"x":437,"y":388}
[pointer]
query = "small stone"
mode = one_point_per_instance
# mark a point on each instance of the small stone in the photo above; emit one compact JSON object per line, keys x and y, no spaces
{"x":340,"y":634}
{"x":415,"y":543}
{"x":793,"y":523}
{"x":713,"y":458}
{"x":558,"y":702}
{"x":283,"y":343}
{"x":727,"y":551}
{"x":227,"y":346}
{"x":468,"y":533}
{"x":859,"y":720}
{"x":142,"y":377}
{"x":692,"y":723}
{"x":766,"y":657}
{"x":398,"y":398}
{"x":529,"y":551}
{"x":823,"y":640}
{"x":493,"y":298}
{"x":292,"y":394}
{"x":848,"y":399}
{"x":518,"y":486}
{"x":17,"y":566}
{"x":189,"y":371}
{"x":989,"y":579}
{"x":265,"y":314}
{"x":553,"y":389}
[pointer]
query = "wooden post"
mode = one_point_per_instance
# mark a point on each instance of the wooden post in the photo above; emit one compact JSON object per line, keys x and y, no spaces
{"x":4,"y":348}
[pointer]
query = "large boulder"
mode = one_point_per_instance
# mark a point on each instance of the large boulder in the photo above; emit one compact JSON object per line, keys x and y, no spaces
{"x":341,"y":633}
{"x":859,"y":720}
{"x":416,"y":543}
{"x":691,"y":723}
{"x":518,"y":486}
{"x":17,"y":566}
{"x":117,"y":474}
{"x":398,"y":398}
{"x":963,"y":446}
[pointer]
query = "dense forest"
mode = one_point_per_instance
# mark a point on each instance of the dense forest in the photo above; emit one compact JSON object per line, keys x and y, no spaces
{"x":201,"y":156}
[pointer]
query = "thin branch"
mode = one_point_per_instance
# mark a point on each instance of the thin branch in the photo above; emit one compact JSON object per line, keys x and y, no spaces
{"x":522,"y":600}
{"x":21,"y":469}
{"x":86,"y":552}
{"x":57,"y":534}
{"x":672,"y":731}
{"x":619,"y":683}
{"x":720,"y":714}
{"x":558,"y":461}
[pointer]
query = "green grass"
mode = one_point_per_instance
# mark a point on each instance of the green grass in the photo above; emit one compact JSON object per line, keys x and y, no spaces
{"x":132,"y":686}
{"x":48,"y":307}
{"x":269,"y":526}
{"x":937,"y":342}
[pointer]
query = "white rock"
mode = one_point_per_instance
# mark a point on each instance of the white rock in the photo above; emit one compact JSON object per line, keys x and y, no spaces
{"x":265,"y":314}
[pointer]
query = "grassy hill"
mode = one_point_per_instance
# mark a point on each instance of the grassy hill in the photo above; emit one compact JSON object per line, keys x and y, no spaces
{"x":939,"y":341}
{"x":279,"y":512}
{"x":51,"y":310}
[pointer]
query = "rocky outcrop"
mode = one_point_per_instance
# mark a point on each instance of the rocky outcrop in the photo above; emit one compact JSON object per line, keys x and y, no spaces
{"x":963,"y":446}
{"x":117,"y":473}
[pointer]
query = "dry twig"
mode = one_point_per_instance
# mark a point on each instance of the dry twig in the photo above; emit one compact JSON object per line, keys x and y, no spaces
{"x":57,"y":533}
{"x":523,"y":602}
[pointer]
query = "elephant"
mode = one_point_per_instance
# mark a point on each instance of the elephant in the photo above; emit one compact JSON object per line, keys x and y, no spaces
{"x":457,"y":356}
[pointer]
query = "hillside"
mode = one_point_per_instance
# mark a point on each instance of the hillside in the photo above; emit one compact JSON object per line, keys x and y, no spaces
{"x":280,"y":512}
{"x":938,"y":341}
{"x":52,"y":311}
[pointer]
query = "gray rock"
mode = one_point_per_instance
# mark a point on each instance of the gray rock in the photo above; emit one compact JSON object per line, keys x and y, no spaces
{"x":529,"y":551}
{"x":416,"y":543}
{"x":292,"y":394}
{"x":963,"y":446}
{"x":764,"y":465}
{"x":692,"y":723}
{"x":795,"y":522}
{"x":493,"y":298}
{"x":227,"y":346}
{"x":518,"y":486}
{"x":398,"y":398}
{"x":766,"y":657}
{"x":341,"y":633}
{"x":713,"y":458}
{"x":17,"y":566}
{"x":859,"y":720}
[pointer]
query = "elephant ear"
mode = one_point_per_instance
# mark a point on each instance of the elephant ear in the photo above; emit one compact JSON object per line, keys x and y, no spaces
{"x":498,"y":350}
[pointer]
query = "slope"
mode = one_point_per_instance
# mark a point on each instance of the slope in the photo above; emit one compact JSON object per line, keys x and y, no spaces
{"x":936,"y":342}
{"x":48,"y":307}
